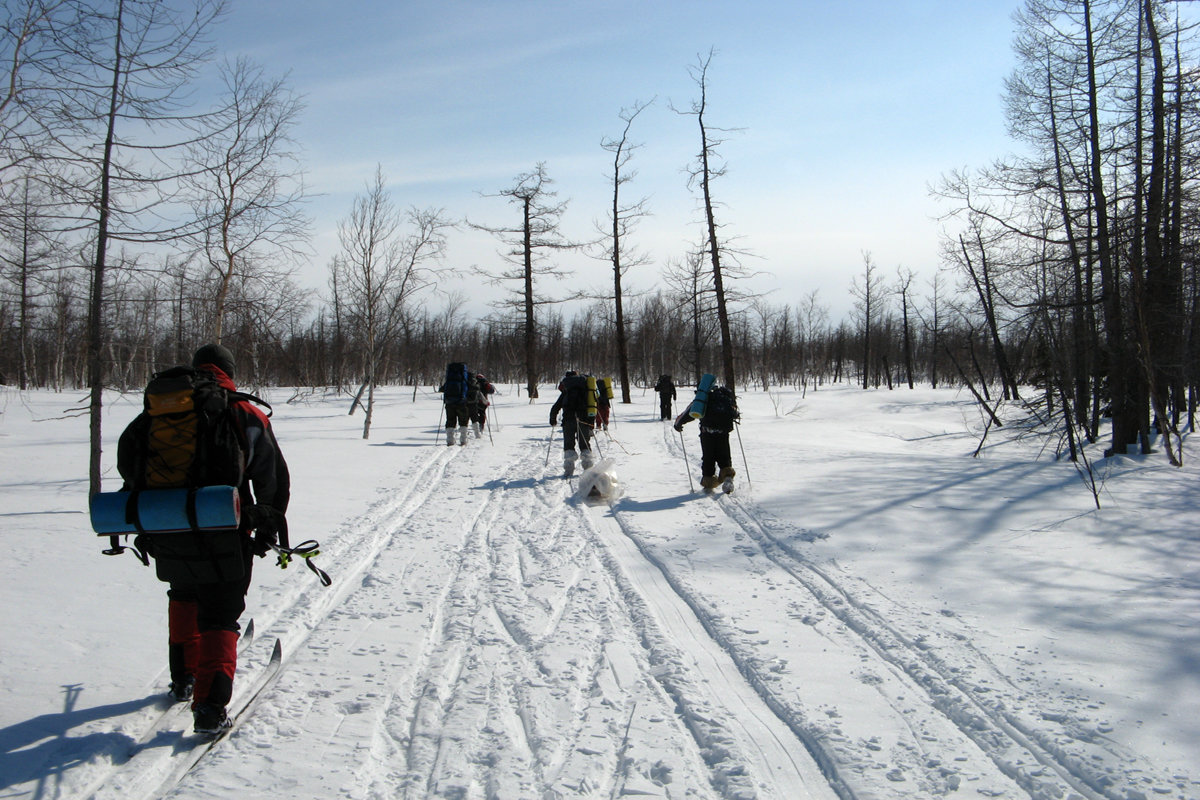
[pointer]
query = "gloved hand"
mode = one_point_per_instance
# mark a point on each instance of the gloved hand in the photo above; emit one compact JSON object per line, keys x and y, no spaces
{"x":679,"y":427}
{"x":144,"y":543}
{"x":263,"y":520}
{"x":553,"y":422}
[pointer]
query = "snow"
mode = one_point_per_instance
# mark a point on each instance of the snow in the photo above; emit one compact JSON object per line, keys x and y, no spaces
{"x":873,"y":613}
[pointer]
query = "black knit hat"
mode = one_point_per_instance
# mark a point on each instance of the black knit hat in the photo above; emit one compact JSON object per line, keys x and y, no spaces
{"x":216,"y":355}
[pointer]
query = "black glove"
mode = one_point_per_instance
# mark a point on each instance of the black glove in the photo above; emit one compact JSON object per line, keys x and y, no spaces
{"x":553,"y":421}
{"x":144,"y":543}
{"x":264,"y":521}
{"x":679,"y":427}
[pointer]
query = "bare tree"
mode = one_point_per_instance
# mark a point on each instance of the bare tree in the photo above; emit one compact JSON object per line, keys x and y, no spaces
{"x":704,"y":172}
{"x":527,"y":249}
{"x":623,"y":217}
{"x":904,"y":279}
{"x":380,"y":270}
{"x":248,"y":187}
{"x":122,"y":79}
{"x":28,"y":249}
{"x":812,"y":321}
{"x":867,"y":290}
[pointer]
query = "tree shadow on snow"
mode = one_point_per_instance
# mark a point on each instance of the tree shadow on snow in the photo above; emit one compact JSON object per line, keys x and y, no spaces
{"x":40,"y":750}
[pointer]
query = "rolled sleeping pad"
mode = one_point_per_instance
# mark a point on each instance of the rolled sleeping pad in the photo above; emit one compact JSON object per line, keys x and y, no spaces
{"x":166,"y":510}
{"x":701,"y":402}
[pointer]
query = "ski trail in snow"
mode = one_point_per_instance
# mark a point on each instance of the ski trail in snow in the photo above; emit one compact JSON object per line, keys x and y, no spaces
{"x":1044,"y":769}
{"x":776,"y":750}
{"x":487,"y":651}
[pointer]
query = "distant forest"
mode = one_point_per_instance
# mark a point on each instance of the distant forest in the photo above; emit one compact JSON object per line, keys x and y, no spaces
{"x":134,"y":227}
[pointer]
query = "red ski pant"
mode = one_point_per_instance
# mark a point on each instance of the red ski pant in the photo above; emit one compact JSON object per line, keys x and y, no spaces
{"x":202,"y":635}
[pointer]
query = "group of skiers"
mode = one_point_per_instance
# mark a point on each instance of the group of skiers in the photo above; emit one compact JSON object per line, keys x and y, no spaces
{"x":585,"y":403}
{"x":465,"y":398}
{"x":197,"y":430}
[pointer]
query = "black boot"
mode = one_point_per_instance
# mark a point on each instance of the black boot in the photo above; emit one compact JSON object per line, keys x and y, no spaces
{"x":210,"y":720}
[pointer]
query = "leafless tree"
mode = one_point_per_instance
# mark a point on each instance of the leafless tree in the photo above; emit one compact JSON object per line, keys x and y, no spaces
{"x":381,"y":269}
{"x":527,"y":249}
{"x":904,"y":279}
{"x":247,"y":188}
{"x":623,"y":216}
{"x":123,"y":74}
{"x":868,"y":292}
{"x":706,"y":170}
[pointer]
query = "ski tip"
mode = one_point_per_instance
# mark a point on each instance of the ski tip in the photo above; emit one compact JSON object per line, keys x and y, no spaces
{"x":248,"y":631}
{"x":277,"y":651}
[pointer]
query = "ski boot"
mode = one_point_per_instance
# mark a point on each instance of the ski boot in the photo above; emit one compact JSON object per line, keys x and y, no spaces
{"x":180,"y":691}
{"x":449,"y":437}
{"x":726,"y":479}
{"x":462,"y":436}
{"x":478,"y":430}
{"x":709,"y":482}
{"x":569,"y":457}
{"x":586,"y":459}
{"x":210,"y":720}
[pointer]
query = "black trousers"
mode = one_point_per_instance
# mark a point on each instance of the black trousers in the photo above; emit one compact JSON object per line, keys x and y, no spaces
{"x":714,"y":452}
{"x":576,"y":429}
{"x":458,"y":416}
{"x":218,"y":605}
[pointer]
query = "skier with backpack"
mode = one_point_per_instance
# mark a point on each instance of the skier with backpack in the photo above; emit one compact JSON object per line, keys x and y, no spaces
{"x":455,"y":392}
{"x":197,"y":430}
{"x":716,"y":409}
{"x":604,"y":396}
{"x":666,"y":393}
{"x":477,"y":402}
{"x":577,"y":402}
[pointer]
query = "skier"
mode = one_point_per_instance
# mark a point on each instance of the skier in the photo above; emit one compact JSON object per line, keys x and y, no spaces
{"x":203,"y":612}
{"x":579,"y":419}
{"x":666,"y":393}
{"x":603,"y":402}
{"x":455,"y":392}
{"x":477,"y":401}
{"x":716,"y":422}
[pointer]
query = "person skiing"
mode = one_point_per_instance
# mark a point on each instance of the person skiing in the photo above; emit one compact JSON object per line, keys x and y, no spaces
{"x":455,"y":392}
{"x":477,"y":401}
{"x":579,"y":419}
{"x":203,"y":612}
{"x":603,"y":402}
{"x":719,"y":416}
{"x":666,"y":393}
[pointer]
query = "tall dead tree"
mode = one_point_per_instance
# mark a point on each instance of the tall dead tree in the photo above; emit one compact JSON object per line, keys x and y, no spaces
{"x":528,"y":246}
{"x":623,"y":216}
{"x":703,"y":173}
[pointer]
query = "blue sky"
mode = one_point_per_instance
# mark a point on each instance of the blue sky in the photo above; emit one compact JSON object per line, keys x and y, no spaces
{"x":845,"y":114}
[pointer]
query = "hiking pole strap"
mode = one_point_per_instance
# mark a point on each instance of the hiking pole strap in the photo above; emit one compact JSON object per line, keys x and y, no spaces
{"x":306,"y":550}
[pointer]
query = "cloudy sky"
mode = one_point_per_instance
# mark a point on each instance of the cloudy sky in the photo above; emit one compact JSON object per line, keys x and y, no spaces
{"x":840,"y":115}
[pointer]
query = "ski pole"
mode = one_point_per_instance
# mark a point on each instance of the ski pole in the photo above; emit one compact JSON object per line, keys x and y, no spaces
{"x":745,"y":466}
{"x":487,"y":421}
{"x":686,"y":467}
{"x":549,"y":442}
{"x":437,"y":432}
{"x":596,"y":439}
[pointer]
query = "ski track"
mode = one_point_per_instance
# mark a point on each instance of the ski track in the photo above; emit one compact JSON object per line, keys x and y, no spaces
{"x":513,"y":661}
{"x":540,"y":646}
{"x":968,"y":690}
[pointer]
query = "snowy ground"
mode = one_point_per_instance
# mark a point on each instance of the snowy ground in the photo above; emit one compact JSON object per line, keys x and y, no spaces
{"x":873,"y":614}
